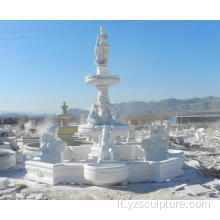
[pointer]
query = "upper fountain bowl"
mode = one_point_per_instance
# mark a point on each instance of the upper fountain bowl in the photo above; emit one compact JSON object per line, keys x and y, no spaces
{"x":102,"y":80}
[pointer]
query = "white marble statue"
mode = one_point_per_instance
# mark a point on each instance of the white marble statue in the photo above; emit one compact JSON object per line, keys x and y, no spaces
{"x":93,"y":117}
{"x":53,"y":130}
{"x":200,"y":135}
{"x":101,"y":48}
{"x":130,"y":136}
{"x":101,"y":113}
{"x":156,"y":146}
{"x":52,"y":148}
{"x":104,"y":143}
{"x":106,"y":152}
{"x":50,"y":145}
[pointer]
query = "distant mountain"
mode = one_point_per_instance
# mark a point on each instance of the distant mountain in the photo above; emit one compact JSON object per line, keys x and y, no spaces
{"x":4,"y":114}
{"x":171,"y":105}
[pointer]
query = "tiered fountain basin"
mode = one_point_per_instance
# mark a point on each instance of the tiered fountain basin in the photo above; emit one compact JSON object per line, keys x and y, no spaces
{"x":106,"y":174}
{"x":93,"y":131}
{"x":31,"y":147}
{"x":64,"y":116}
{"x":102,"y":80}
{"x":27,"y":140}
{"x":66,"y":133}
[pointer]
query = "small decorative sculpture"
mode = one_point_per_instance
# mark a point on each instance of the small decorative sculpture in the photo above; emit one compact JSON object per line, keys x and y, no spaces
{"x":156,"y":146}
{"x":131,"y":136}
{"x":157,"y":132}
{"x":200,"y":135}
{"x":93,"y":117}
{"x":115,"y":115}
{"x":51,"y":144}
{"x":64,"y":108}
{"x":52,"y":148}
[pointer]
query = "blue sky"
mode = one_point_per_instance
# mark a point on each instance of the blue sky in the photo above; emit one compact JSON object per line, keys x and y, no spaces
{"x":43,"y":63}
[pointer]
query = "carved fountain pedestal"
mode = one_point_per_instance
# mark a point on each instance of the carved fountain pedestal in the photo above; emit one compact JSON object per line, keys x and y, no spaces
{"x":100,"y":114}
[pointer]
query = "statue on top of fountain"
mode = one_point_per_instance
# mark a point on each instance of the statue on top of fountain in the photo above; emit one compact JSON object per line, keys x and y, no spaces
{"x":101,"y":48}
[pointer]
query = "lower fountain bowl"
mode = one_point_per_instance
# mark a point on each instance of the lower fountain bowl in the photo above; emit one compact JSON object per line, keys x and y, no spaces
{"x":106,"y":174}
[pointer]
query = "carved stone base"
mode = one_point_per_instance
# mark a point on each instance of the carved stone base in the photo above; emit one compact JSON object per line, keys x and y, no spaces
{"x":52,"y":158}
{"x":106,"y":174}
{"x":53,"y":174}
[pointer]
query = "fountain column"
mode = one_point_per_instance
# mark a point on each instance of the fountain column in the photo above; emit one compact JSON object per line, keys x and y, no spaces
{"x":100,"y":114}
{"x":103,"y":104}
{"x":102,"y":80}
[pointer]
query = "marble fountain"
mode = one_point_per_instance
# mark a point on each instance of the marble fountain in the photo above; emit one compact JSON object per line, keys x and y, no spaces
{"x":8,"y":159}
{"x":10,"y":154}
{"x":100,"y":114}
{"x":104,"y":161}
{"x":66,"y":131}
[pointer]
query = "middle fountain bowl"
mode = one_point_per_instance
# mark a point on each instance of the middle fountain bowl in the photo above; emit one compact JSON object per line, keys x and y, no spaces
{"x":102,"y":80}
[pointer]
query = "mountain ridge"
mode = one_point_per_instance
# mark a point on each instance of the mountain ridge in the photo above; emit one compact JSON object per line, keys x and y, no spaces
{"x":164,"y":106}
{"x":170,"y":105}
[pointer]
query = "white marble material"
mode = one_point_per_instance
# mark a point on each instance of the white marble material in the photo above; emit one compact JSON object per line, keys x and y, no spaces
{"x":53,"y":174}
{"x":7,"y":159}
{"x":100,"y":113}
{"x":129,"y":152}
{"x":139,"y":171}
{"x":125,"y":152}
{"x":166,"y":169}
{"x":157,"y":171}
{"x":105,"y":162}
{"x":106,"y":150}
{"x":93,"y":131}
{"x":81,"y":153}
{"x":9,"y":143}
{"x":156,"y":146}
{"x":52,"y":149}
{"x":147,"y":171}
{"x":131,"y":135}
{"x":106,"y":174}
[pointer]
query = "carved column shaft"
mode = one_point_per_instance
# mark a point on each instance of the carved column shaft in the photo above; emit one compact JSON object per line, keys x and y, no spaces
{"x":103,"y":104}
